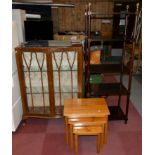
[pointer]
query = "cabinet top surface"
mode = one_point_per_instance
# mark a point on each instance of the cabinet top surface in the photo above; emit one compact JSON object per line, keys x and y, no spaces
{"x":49,"y":43}
{"x":88,"y":107}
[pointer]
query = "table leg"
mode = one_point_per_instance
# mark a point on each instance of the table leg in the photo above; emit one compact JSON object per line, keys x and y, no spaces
{"x":105,"y":132}
{"x":71,"y":136}
{"x":101,"y":140}
{"x":66,"y":128}
{"x":103,"y":135}
{"x":76,"y":143}
{"x":98,"y":143}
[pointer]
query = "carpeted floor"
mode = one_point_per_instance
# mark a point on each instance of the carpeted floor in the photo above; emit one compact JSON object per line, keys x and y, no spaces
{"x":47,"y":137}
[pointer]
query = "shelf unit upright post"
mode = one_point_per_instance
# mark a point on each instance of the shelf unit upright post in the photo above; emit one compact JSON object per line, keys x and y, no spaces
{"x":123,"y":54}
{"x":87,"y":48}
{"x":110,"y":89}
{"x":132,"y":58}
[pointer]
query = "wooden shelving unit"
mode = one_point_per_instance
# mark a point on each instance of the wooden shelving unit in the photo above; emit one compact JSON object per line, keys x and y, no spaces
{"x":120,"y":68}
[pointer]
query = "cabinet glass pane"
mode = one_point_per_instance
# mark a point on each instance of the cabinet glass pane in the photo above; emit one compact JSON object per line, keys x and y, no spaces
{"x":36,"y":80}
{"x":65,"y":76}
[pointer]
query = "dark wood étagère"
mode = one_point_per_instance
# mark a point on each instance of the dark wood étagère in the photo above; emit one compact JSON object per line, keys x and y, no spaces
{"x":109,"y":64}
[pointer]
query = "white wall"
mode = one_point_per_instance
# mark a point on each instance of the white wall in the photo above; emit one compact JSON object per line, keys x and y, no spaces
{"x":17,"y":38}
{"x":19,"y":16}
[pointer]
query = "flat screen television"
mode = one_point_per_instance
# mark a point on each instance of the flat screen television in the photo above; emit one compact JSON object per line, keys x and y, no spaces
{"x":38,"y":30}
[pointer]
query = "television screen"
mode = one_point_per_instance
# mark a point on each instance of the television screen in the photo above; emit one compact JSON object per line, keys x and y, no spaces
{"x":38,"y":30}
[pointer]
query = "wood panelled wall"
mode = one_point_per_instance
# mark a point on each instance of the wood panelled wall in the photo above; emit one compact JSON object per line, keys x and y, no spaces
{"x":72,"y":19}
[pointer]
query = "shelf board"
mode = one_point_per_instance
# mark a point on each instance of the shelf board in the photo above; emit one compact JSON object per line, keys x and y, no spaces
{"x":111,"y":59}
{"x":108,"y":68}
{"x":116,"y":113}
{"x":38,"y":93}
{"x":105,"y":68}
{"x":107,"y":89}
{"x":107,"y":17}
{"x":40,"y":112}
{"x":74,"y":92}
{"x":53,"y":71}
{"x":36,"y":71}
{"x":106,"y":39}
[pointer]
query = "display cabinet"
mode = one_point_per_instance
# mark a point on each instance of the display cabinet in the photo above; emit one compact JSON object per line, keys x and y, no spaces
{"x":48,"y":74}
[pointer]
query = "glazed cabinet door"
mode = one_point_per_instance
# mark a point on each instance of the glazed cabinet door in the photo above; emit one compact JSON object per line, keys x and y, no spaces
{"x":67,"y":75}
{"x":36,"y":90}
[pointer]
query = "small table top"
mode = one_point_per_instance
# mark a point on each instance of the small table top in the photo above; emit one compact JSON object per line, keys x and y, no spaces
{"x":86,"y":107}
